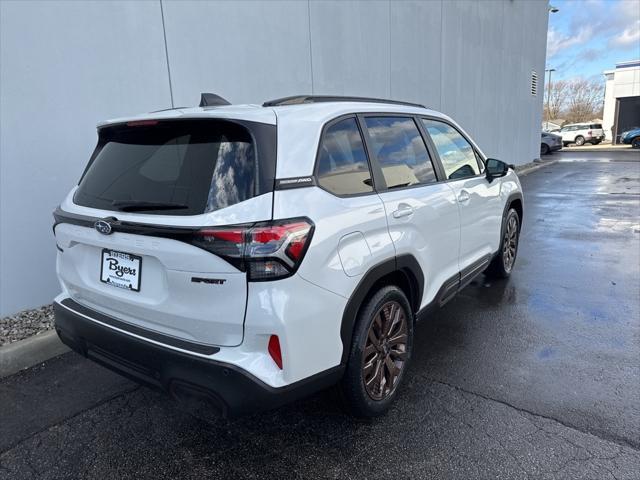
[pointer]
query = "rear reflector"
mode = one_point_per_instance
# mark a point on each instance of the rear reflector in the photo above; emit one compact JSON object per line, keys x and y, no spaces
{"x":233,"y":236}
{"x":274,"y":350}
{"x":266,"y":250}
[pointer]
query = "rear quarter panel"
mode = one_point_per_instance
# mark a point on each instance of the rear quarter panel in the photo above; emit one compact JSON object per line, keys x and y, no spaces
{"x":338,"y":219}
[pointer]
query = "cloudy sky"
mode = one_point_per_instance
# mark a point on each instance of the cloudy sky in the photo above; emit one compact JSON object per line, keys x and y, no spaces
{"x":587,"y":37}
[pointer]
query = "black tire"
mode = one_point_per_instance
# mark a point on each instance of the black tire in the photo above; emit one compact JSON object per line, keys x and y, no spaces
{"x":367,"y":358}
{"x":579,"y":140}
{"x":544,"y":149}
{"x":635,"y":143}
{"x":564,"y":144}
{"x":502,"y":264}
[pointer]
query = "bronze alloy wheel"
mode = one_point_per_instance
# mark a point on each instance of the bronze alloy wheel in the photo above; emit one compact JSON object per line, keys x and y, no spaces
{"x":510,"y":243}
{"x":385,"y":351}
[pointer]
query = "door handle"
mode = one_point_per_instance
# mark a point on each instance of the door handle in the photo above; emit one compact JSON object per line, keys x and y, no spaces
{"x":404,"y":210}
{"x":463,"y":196}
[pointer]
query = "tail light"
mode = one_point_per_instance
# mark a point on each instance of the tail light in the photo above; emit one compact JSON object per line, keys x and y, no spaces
{"x":266,"y":251}
{"x":589,"y":133}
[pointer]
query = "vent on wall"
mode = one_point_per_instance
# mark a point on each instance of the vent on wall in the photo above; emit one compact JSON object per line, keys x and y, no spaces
{"x":534,"y":83}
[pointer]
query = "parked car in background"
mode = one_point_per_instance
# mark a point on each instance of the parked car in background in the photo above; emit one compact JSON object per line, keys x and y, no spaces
{"x":550,"y":127}
{"x":581,"y":133}
{"x":550,"y":143}
{"x":285,"y":247}
{"x":631,"y":136}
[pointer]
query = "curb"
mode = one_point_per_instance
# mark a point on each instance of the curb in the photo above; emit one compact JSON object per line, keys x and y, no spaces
{"x":31,"y":351}
{"x":604,"y":149}
{"x":532,"y":168}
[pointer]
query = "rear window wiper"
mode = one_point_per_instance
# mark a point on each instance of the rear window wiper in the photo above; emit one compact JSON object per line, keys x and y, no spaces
{"x":136,"y":206}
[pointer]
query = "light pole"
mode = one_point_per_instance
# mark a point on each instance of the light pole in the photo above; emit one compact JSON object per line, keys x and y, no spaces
{"x":551,"y":9}
{"x":549,"y":95}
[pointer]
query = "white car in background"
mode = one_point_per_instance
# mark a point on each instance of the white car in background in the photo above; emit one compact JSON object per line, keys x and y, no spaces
{"x":581,"y":133}
{"x":248,"y":255}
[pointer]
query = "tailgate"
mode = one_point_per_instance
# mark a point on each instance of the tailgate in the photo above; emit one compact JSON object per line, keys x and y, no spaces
{"x":182,"y":290}
{"x":124,"y":234}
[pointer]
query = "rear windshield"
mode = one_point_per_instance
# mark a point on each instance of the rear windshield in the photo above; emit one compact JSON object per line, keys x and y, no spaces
{"x":181,"y":167}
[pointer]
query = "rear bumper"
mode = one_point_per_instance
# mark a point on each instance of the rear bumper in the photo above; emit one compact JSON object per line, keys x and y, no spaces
{"x":224,"y":387}
{"x":553,"y":146}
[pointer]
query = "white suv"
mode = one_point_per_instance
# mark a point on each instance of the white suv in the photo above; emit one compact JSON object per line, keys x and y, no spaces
{"x":247,"y":255}
{"x":581,"y":133}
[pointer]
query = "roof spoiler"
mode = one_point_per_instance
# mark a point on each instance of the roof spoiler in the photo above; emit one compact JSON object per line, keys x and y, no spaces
{"x":212,"y":100}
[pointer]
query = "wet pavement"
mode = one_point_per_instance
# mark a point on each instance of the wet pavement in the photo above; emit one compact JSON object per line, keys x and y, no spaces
{"x":534,"y":377}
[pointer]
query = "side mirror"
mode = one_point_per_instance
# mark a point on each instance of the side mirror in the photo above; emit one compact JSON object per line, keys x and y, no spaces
{"x":496,"y":168}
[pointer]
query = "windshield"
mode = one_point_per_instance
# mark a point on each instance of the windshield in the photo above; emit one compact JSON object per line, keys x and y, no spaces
{"x":186,"y":167}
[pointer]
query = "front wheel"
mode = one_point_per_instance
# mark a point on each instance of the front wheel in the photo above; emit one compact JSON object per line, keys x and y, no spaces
{"x":635,"y":143}
{"x":502,"y":264}
{"x":380,"y":351}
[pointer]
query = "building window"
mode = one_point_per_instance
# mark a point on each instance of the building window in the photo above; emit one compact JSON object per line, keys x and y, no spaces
{"x":534,"y":83}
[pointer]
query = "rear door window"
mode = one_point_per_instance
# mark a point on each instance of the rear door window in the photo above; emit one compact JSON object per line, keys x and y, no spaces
{"x":400,"y":150}
{"x":343,"y":168}
{"x":176,"y":167}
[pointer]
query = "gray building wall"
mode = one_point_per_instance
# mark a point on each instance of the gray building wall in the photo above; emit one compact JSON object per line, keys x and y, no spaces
{"x":66,"y":65}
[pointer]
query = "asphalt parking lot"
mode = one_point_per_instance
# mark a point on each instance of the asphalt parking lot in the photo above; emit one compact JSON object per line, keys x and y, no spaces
{"x":535,"y":377}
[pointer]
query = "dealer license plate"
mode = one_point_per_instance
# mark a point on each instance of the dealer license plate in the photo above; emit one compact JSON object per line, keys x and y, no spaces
{"x":120,"y":269}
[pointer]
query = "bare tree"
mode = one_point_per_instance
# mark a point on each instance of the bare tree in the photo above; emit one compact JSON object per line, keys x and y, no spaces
{"x":583,"y":100}
{"x":554,"y":99}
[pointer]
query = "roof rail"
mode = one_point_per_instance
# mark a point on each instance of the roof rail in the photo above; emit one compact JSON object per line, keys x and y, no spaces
{"x":302,"y":99}
{"x":212,"y":100}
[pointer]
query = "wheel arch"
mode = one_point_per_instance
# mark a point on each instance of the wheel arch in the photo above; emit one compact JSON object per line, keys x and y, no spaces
{"x":404,"y":271}
{"x":513,"y":201}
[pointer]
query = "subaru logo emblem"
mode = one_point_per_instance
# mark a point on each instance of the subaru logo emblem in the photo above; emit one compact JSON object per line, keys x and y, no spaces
{"x":103,"y":227}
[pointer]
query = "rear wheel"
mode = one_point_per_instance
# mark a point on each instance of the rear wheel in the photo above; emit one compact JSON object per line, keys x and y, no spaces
{"x":502,"y":264}
{"x":380,"y":351}
{"x":635,"y":143}
{"x":544,"y":149}
{"x":579,"y":140}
